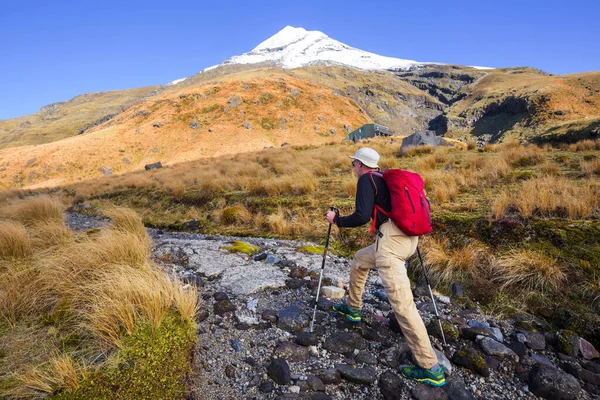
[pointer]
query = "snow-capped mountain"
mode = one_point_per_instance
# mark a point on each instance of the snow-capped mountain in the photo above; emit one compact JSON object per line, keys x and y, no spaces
{"x":296,"y":47}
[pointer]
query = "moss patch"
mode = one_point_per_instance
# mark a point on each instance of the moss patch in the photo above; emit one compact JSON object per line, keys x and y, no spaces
{"x":152,"y":365}
{"x":241,"y":247}
{"x":312,"y":249}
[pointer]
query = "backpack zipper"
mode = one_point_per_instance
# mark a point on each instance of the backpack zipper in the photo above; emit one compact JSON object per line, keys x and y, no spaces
{"x":410,"y":200}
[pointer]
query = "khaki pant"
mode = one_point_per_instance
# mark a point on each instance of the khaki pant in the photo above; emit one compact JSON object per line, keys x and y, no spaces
{"x":388,"y":255}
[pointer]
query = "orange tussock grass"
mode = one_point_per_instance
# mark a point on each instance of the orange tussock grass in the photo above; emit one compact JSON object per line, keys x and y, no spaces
{"x":447,"y":262}
{"x":584,"y":145}
{"x":590,"y":168}
{"x":236,"y":213}
{"x":523,"y":268}
{"x":61,"y":372}
{"x":441,"y":186}
{"x":98,"y":287}
{"x":471,"y":145}
{"x":35,"y":210}
{"x":279,"y":223}
{"x":14,"y":241}
{"x":551,"y":196}
{"x":426,"y":163}
{"x":550,"y":168}
{"x":500,"y":203}
{"x":418,"y":150}
{"x":522,"y":156}
{"x":349,"y":185}
{"x":495,"y":169}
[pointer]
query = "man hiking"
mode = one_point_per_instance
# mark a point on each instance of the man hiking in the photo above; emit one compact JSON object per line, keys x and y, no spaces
{"x":388,"y":254}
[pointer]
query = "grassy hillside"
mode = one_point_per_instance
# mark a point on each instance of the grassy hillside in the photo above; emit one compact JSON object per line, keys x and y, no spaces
{"x":525,"y":104}
{"x":241,"y":113}
{"x":517,"y":225}
{"x":65,"y":119}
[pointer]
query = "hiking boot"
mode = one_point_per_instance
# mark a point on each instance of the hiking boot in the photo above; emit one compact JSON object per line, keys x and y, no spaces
{"x":425,"y":375}
{"x":350,"y":313}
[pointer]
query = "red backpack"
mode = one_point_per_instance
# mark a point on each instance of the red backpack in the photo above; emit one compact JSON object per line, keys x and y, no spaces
{"x":410,"y":208}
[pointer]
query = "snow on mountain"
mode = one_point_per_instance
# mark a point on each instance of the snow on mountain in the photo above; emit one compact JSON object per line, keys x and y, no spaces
{"x":296,"y":47}
{"x":176,"y":81}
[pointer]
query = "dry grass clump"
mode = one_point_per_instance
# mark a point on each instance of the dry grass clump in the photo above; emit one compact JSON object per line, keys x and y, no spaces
{"x":471,"y":145}
{"x":426,"y":163}
{"x":549,"y":196}
{"x":521,"y":156}
{"x":441,"y":186}
{"x":550,"y":168}
{"x":236,"y":213}
{"x":418,"y":150}
{"x":279,"y":223}
{"x":494,"y":169}
{"x":349,"y":185}
{"x":524,"y":268}
{"x":61,"y":372}
{"x":14,"y":241}
{"x":590,"y":168}
{"x":448,"y":262}
{"x":35,"y":210}
{"x":98,"y":288}
{"x":500,"y":203}
{"x":584,"y":145}
{"x":557,"y":196}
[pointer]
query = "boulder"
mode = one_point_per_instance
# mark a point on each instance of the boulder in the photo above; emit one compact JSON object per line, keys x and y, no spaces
{"x":494,"y":348}
{"x":279,"y":371}
{"x":391,"y":386}
{"x":363,"y":376}
{"x":344,"y":342}
{"x":471,"y":359}
{"x":588,"y":351}
{"x":426,"y":392}
{"x":333,"y":292}
{"x":551,"y":383}
{"x":422,"y":138}
{"x":291,"y":351}
{"x":152,"y":166}
{"x":456,"y":388}
{"x":292,"y":319}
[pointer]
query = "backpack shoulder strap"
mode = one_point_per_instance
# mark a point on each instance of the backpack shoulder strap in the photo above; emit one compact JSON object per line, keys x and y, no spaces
{"x":376,"y":208}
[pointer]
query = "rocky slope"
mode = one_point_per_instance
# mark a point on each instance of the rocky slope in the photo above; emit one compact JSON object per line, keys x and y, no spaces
{"x":254,"y":341}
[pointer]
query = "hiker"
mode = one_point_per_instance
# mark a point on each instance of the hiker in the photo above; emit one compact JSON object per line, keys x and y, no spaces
{"x":388,"y":254}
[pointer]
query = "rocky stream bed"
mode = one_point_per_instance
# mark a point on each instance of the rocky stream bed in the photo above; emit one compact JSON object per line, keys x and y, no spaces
{"x":254,"y":340}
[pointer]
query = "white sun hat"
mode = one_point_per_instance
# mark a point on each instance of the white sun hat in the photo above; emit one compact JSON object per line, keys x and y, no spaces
{"x":367,"y":156}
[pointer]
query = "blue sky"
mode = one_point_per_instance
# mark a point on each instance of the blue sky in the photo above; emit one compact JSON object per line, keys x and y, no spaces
{"x":55,"y":50}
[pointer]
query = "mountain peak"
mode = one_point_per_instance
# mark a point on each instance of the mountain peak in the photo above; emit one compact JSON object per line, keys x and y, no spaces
{"x":294,"y":47}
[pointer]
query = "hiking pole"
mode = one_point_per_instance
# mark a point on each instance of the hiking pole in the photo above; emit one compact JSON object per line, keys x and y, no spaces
{"x":431,"y":294}
{"x":312,"y":322}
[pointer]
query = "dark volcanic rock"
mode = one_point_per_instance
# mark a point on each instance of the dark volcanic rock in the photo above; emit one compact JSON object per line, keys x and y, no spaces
{"x":344,"y":342}
{"x":218,"y":296}
{"x":471,"y":359}
{"x":363,"y":376}
{"x":224,"y":306}
{"x":306,"y":339}
{"x":426,"y":392}
{"x":472,"y":332}
{"x":279,"y":371}
{"x":551,"y":383}
{"x":456,"y":388}
{"x":328,"y":376}
{"x":366,"y":357}
{"x":292,"y":319}
{"x":534,"y":340}
{"x":292,"y":351}
{"x":315,"y":383}
{"x":269,"y":315}
{"x":391,"y":386}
